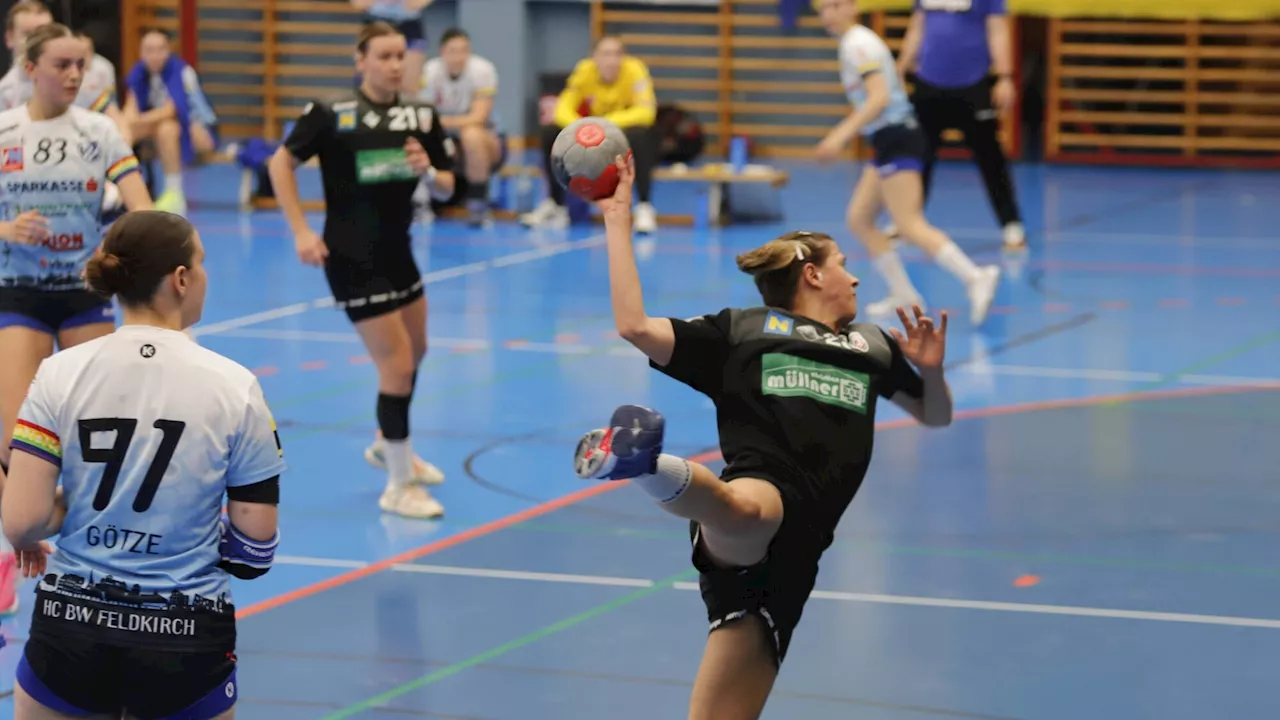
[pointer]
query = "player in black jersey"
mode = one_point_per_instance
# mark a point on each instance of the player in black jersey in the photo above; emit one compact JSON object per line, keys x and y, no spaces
{"x":795,"y":386}
{"x":374,"y":147}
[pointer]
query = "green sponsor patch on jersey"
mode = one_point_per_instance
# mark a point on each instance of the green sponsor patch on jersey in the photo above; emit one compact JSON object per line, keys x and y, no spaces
{"x":789,"y":376}
{"x":380,"y":166}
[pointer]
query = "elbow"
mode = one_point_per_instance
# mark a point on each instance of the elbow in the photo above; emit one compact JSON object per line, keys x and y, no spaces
{"x":633,"y":332}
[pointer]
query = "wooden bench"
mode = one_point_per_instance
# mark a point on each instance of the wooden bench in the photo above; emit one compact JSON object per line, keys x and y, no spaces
{"x":717,"y":176}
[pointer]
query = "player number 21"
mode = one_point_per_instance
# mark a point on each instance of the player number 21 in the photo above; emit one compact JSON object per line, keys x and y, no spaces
{"x":113,"y":457}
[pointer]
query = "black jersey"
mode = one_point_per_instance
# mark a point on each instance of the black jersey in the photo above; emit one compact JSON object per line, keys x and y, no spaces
{"x":795,"y":402}
{"x":368,"y":186}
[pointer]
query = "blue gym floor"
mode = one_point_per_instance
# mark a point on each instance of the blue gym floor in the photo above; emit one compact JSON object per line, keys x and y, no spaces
{"x":1094,"y":537}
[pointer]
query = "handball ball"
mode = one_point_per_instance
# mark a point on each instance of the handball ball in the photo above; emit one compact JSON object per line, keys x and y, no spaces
{"x":582,"y":158}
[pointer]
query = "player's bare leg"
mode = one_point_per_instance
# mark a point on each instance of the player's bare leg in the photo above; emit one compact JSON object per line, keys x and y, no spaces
{"x":390,"y":346}
{"x":414,"y":318}
{"x":736,"y":674}
{"x":904,"y":197}
{"x":864,"y":208}
{"x":738,"y":518}
{"x":26,"y":707}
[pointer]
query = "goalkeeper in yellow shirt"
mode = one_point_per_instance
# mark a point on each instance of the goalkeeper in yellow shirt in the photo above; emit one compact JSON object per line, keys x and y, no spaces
{"x":616,"y":86}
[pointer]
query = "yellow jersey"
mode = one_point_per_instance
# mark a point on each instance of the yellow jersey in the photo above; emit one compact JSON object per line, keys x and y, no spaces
{"x":627,"y":102}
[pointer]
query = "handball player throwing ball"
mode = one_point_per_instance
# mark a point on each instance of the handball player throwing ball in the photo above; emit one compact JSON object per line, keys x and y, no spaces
{"x":795,"y":386}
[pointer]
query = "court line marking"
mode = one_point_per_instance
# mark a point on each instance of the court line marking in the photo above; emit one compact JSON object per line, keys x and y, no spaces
{"x":429,"y":278}
{"x":841,"y":596}
{"x":601,"y":488}
{"x":492,"y":573}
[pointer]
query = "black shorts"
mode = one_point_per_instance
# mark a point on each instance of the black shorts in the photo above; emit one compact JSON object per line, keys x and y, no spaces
{"x":52,"y":311}
{"x":899,"y":147}
{"x":366,"y":288}
{"x":74,"y":676}
{"x":414,"y":35}
{"x":775,"y":589}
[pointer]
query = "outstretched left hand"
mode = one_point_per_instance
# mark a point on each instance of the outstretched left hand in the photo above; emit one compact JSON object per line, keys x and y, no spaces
{"x":924,"y":345}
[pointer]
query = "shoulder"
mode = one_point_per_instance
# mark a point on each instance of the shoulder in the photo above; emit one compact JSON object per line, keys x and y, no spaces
{"x":633,"y":66}
{"x":12,"y":117}
{"x":11,"y":78}
{"x":433,"y":68}
{"x":873,"y":340}
{"x":584,"y":70}
{"x":59,"y":370}
{"x":227,"y":377}
{"x":103,"y":65}
{"x":482,"y":66}
{"x":86,"y":118}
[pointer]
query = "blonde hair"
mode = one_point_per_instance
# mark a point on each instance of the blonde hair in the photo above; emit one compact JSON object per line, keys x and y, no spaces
{"x":41,"y":36}
{"x":777,"y":265}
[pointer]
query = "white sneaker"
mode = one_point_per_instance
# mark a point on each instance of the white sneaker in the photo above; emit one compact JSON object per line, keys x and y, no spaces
{"x":547,"y":215}
{"x":644,"y":220}
{"x":1015,"y":236}
{"x":888,"y":307}
{"x":424,"y":473}
{"x":411,"y":501}
{"x":982,"y":292}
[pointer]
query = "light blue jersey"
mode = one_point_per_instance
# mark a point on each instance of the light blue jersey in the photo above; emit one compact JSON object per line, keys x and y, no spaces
{"x":150,"y":430}
{"x":863,"y":53}
{"x":58,"y":168}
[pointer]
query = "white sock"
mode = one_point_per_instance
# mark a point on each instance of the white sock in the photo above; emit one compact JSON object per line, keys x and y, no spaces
{"x":895,"y":275}
{"x":399,"y":457}
{"x":954,"y":261}
{"x":672,"y":479}
{"x":173,"y":181}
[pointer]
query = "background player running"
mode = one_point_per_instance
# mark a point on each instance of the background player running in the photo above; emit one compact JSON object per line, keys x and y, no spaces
{"x":795,"y":388}
{"x":56,"y":159}
{"x":884,"y":115}
{"x":135,"y":613}
{"x":375,"y":146}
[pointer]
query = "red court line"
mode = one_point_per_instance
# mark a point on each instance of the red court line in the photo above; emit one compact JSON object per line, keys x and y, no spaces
{"x":601,"y":488}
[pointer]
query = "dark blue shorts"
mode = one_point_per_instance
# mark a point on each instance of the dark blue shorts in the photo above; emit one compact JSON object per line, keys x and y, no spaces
{"x":78,"y":677}
{"x":897,"y":148}
{"x":52,"y":311}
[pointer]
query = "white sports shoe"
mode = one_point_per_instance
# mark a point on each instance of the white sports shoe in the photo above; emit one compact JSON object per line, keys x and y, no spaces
{"x":982,"y":292}
{"x":411,"y":501}
{"x":888,"y":307}
{"x":547,"y":215}
{"x":424,"y":473}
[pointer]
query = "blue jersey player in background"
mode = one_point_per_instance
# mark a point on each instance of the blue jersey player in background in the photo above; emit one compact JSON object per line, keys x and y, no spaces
{"x":55,"y":162}
{"x":133,"y":613}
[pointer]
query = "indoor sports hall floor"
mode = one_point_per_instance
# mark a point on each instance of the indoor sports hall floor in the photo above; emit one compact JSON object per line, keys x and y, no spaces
{"x":1094,"y":537}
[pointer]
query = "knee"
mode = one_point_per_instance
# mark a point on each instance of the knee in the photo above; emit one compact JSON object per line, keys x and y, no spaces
{"x":474,"y":140}
{"x":395,"y":370}
{"x":860,"y":224}
{"x":167,"y":130}
{"x":755,"y":510}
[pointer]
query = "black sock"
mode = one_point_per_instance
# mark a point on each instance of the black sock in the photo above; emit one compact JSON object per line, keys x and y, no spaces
{"x":393,"y":416}
{"x":478,"y":190}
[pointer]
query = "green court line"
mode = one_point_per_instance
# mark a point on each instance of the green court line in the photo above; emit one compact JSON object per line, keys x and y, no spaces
{"x":507,"y":647}
{"x":1229,"y":353}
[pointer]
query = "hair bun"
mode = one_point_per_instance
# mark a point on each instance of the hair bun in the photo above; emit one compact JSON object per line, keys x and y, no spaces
{"x":106,"y":274}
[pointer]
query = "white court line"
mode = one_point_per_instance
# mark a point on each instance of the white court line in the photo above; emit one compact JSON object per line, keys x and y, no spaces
{"x":869,"y":598}
{"x":471,"y":572}
{"x":429,"y":278}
